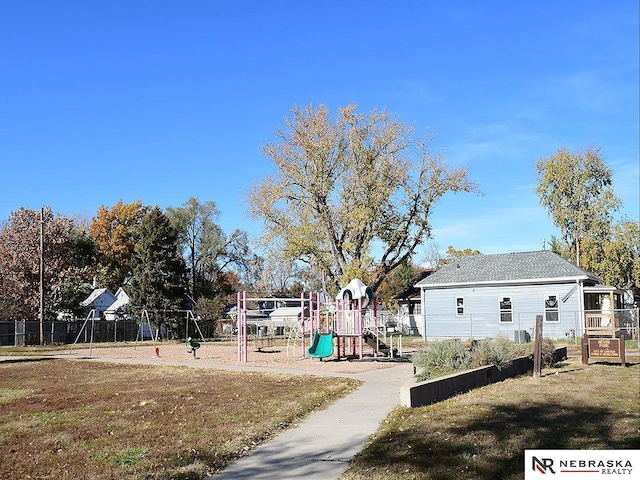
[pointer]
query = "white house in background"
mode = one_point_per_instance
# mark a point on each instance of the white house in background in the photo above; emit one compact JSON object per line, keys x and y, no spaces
{"x":500,"y":295}
{"x":98,"y":301}
{"x":118,"y":307}
{"x":410,"y":305}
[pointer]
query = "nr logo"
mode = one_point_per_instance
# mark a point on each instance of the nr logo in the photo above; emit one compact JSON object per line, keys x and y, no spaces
{"x":542,"y":465}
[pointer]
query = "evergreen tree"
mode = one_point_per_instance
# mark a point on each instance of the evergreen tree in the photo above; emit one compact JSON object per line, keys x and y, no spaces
{"x":158,"y":278}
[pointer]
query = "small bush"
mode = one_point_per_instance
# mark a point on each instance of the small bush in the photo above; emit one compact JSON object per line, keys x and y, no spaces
{"x":548,"y":348}
{"x":449,"y":356}
{"x":493,"y":351}
{"x":441,"y":358}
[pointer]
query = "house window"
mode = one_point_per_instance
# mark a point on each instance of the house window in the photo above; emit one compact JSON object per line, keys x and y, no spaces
{"x":459,"y":307}
{"x":506,"y":309}
{"x":551,"y":308}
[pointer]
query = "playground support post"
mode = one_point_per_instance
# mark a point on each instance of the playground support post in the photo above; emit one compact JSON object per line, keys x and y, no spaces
{"x":92,"y":316}
{"x":238,"y":316}
{"x":361,"y":326}
{"x":245,"y":328}
{"x":243,"y":340}
{"x":192,"y":317}
{"x":303,"y":349}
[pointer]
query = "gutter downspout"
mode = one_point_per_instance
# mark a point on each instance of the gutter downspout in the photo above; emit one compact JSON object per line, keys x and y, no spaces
{"x":581,"y":313}
{"x":424,"y":315}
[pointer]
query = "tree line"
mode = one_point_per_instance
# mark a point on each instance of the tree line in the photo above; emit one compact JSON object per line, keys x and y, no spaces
{"x":351,"y":197}
{"x":158,"y":256}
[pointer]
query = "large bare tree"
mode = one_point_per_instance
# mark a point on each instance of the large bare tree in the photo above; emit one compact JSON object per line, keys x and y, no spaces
{"x":207,"y":250}
{"x":353,"y":194}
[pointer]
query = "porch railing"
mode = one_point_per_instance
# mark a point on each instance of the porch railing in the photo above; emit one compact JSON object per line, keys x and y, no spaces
{"x":609,"y":324}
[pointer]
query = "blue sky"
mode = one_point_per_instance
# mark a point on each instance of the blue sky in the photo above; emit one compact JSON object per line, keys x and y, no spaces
{"x":160,"y":101}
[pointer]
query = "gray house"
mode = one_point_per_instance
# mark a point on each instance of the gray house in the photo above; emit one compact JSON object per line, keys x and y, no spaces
{"x":500,"y":295}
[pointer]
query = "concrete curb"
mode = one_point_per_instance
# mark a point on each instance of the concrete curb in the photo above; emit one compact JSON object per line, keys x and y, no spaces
{"x":418,"y":394}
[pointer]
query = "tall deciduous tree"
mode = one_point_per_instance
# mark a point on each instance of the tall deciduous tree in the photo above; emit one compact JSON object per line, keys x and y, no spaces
{"x":209,"y":253}
{"x":115,"y":231}
{"x":158,"y":275}
{"x":576,"y":189}
{"x":67,"y":253}
{"x":347,"y":184}
{"x":278,"y":276}
{"x":616,"y":259}
{"x":200,"y":237}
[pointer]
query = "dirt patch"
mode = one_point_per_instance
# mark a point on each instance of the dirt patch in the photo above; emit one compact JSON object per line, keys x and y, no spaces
{"x":212,"y":354}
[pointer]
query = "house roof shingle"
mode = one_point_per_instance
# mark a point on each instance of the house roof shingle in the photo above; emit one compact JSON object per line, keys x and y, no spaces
{"x":517,"y":268}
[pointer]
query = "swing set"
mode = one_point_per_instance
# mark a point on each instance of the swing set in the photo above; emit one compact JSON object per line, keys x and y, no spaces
{"x":144,"y":326}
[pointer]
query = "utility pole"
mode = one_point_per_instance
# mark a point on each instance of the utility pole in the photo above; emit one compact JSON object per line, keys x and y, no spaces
{"x":41,"y":314}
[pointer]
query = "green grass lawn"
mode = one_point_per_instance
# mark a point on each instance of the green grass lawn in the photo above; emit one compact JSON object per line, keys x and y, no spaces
{"x":483,"y":434}
{"x":88,"y":420}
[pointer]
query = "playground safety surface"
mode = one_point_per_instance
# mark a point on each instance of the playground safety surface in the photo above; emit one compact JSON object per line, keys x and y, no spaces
{"x":225,"y":355}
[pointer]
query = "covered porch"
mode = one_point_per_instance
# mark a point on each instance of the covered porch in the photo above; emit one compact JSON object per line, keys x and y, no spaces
{"x":605,"y":314}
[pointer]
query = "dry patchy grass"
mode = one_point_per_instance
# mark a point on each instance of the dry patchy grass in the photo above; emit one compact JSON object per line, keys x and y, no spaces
{"x":66,"y":419}
{"x":483,"y":434}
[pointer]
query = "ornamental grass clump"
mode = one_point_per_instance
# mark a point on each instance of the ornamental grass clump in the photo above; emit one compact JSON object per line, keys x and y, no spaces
{"x":441,"y":358}
{"x":493,"y":351}
{"x":449,"y":356}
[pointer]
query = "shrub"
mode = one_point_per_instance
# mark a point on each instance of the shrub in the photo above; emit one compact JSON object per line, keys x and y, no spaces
{"x":441,"y":358}
{"x":493,"y":351}
{"x":548,"y":348}
{"x":448,"y":356}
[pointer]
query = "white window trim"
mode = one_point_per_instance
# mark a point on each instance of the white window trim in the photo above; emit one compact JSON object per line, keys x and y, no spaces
{"x":501,"y":311}
{"x":456,"y":307}
{"x":557,"y":309}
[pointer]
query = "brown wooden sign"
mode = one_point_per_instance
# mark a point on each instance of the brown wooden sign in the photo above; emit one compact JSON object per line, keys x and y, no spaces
{"x":603,"y":348}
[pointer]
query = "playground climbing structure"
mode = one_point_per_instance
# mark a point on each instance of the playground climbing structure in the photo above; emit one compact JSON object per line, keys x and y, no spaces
{"x":349,"y":320}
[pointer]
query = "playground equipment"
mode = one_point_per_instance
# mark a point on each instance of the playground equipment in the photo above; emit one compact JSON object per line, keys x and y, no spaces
{"x":145,"y":324}
{"x":192,"y":346}
{"x":259,"y":320}
{"x":90,"y":315}
{"x":144,"y":328}
{"x":350,"y":319}
{"x":321,"y":345}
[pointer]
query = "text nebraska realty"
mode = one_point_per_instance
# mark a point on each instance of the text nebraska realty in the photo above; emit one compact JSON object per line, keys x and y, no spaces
{"x":606,"y":467}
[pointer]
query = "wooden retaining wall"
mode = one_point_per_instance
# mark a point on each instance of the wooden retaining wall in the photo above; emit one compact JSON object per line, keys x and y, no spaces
{"x":418,"y":394}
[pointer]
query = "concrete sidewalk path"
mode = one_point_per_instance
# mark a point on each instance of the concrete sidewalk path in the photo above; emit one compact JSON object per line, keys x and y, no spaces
{"x":321,"y":446}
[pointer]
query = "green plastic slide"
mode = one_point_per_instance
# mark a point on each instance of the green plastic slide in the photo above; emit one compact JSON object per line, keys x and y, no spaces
{"x":321,"y":345}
